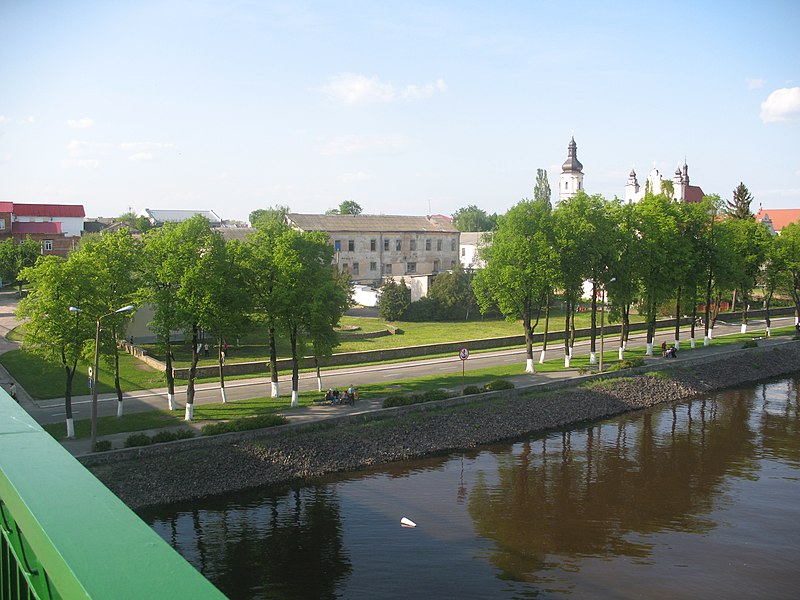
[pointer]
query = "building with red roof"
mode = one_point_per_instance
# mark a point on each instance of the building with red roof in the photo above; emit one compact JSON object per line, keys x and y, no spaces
{"x":57,"y":226}
{"x":777,"y":218}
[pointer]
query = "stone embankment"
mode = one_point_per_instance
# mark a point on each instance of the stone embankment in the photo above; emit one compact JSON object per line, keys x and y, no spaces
{"x":196,"y":472}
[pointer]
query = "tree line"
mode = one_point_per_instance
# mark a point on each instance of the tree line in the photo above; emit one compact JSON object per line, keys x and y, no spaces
{"x":195,"y":282}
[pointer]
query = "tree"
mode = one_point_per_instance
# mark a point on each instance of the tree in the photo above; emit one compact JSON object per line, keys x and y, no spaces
{"x":14,"y":257}
{"x":453,"y":294}
{"x":739,"y":206}
{"x":750,"y":243}
{"x":273,"y":213}
{"x":348,"y":207}
{"x":541,"y":191}
{"x":394,"y":300}
{"x":472,"y":218}
{"x":134,"y":221}
{"x":51,"y":331}
{"x":787,"y":249}
{"x":520,"y":267}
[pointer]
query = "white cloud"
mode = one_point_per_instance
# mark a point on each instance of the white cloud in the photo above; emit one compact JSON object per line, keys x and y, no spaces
{"x":354,"y":88}
{"x":80,"y":123}
{"x":353,"y":177}
{"x":30,"y":119}
{"x":141,"y":156}
{"x":782,"y":105}
{"x":80,"y":148}
{"x":81,"y":163}
{"x":4,"y":119}
{"x":145,"y":146}
{"x":754,"y":84}
{"x":353,"y":144}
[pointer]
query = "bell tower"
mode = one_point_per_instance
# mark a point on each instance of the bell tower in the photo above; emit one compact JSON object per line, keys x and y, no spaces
{"x":571,"y":173}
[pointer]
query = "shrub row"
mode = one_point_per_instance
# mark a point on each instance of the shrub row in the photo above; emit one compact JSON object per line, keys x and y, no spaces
{"x":433,"y":395}
{"x":259,"y":422}
{"x":142,"y":439}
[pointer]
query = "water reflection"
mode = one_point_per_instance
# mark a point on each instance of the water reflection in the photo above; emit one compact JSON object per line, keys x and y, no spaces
{"x":546,"y":515}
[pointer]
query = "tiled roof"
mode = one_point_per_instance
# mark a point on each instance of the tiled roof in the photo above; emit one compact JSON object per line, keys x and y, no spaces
{"x":176,"y":216}
{"x":471,"y":238}
{"x":25,"y":227}
{"x":778,"y":217}
{"x":368,"y":223}
{"x":694,"y":194}
{"x":48,"y":210}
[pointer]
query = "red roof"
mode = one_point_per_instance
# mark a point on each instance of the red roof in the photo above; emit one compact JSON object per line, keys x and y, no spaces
{"x":694,"y":194}
{"x":47,"y":210}
{"x":25,"y":227}
{"x":6,"y":207}
{"x":779,"y":217}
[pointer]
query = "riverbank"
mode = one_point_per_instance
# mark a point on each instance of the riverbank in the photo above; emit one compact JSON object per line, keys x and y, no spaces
{"x":191,"y":472}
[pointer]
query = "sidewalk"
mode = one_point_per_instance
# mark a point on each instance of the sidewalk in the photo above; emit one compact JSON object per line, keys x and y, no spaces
{"x":316,"y":413}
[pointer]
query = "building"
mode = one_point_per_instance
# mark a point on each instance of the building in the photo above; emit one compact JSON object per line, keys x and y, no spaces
{"x":571,"y":181}
{"x":159,"y":217}
{"x":373,"y":247}
{"x":778,"y":218}
{"x":469,"y":245}
{"x":57,"y":227}
{"x":682,"y":190}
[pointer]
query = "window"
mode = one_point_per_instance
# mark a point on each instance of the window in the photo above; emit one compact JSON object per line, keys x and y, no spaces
{"x":411,"y":267}
{"x":373,"y":266}
{"x":452,"y":264}
{"x":435,"y":266}
{"x":385,"y":244}
{"x":387,"y":268}
{"x":398,"y":244}
{"x":428,"y":244}
{"x":439,"y":245}
{"x":355,"y":268}
{"x":351,"y":245}
{"x":373,"y":244}
{"x":463,"y":252}
{"x":412,"y":244}
{"x":48,"y":244}
{"x":566,"y":185}
{"x":452,"y":245}
{"x":2,"y":223}
{"x":337,"y":245}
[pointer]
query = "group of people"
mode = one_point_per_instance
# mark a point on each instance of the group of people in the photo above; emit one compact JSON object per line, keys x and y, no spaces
{"x":348,"y":396}
{"x":671,"y":352}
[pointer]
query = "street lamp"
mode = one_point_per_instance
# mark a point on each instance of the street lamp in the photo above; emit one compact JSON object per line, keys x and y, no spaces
{"x":96,"y":368}
{"x":602,"y":315}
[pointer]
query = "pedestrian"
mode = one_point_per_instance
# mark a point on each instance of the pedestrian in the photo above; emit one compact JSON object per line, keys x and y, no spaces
{"x":13,"y":391}
{"x":663,"y":349}
{"x":205,"y":348}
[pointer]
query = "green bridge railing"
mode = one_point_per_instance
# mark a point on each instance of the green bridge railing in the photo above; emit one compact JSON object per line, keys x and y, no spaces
{"x":64,"y":535}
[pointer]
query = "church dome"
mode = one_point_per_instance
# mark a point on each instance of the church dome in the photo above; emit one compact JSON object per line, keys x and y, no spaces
{"x":572,"y":164}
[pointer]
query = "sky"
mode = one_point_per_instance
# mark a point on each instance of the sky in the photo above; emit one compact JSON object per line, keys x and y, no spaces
{"x":404,"y":107}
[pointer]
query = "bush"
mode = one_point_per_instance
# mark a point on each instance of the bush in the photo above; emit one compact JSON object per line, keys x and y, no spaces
{"x":102,"y":446}
{"x":393,"y":400}
{"x":498,"y":384}
{"x":259,"y":422}
{"x":183,"y":434}
{"x":628,"y":363}
{"x":423,"y":310}
{"x":750,"y":344}
{"x":471,"y":389}
{"x":138,"y":439}
{"x":434,"y":395}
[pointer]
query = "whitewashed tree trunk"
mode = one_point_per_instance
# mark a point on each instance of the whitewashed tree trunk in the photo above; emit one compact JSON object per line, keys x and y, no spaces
{"x":621,"y":353}
{"x":119,"y":408}
{"x":649,"y":351}
{"x":274,"y":389}
{"x":592,"y":358}
{"x":567,"y":359}
{"x":691,"y":343}
{"x":677,"y":344}
{"x":768,"y":332}
{"x":224,"y":394}
{"x":171,"y":401}
{"x":529,"y":368}
{"x":541,"y":357}
{"x":70,"y":428}
{"x":744,"y":327}
{"x":319,"y":383}
{"x":295,"y":401}
{"x":706,"y":340}
{"x":189,"y":412}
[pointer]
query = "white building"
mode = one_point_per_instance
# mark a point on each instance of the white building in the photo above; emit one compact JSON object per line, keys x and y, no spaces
{"x":655,"y":184}
{"x":468,"y":247}
{"x":571,"y":181}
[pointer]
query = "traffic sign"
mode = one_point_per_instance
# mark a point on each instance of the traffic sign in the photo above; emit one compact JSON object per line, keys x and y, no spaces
{"x":463,"y":354}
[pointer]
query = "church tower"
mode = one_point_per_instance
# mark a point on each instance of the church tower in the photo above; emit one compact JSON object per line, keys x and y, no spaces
{"x":632,"y":188}
{"x":571,"y":174}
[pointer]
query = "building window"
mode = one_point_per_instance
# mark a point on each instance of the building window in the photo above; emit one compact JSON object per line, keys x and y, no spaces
{"x":48,"y":245}
{"x":2,"y":223}
{"x":355,"y":268}
{"x":385,"y":244}
{"x":428,"y":244}
{"x":439,"y":245}
{"x":387,"y":268}
{"x":435,"y":266}
{"x":412,"y":244}
{"x":566,"y":185}
{"x":452,"y":264}
{"x":337,"y":245}
{"x":351,"y":245}
{"x":463,"y":252}
{"x":398,"y":244}
{"x":411,"y":267}
{"x":453,"y":245}
{"x":373,"y":244}
{"x":373,"y":266}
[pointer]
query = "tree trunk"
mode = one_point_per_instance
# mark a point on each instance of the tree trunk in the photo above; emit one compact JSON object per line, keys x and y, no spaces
{"x":678,"y":319}
{"x":567,"y":311}
{"x":170,"y":373}
{"x":273,"y":362}
{"x":593,"y":332}
{"x":192,"y":375}
{"x":767,"y":303}
{"x":70,"y":373}
{"x":745,"y":308}
{"x":221,"y":364}
{"x":526,"y":326}
{"x":546,"y":326}
{"x":295,"y":365}
{"x":319,"y":375}
{"x":707,"y":316}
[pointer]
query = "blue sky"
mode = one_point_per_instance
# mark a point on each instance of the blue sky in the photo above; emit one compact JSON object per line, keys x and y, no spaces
{"x":404,"y":107}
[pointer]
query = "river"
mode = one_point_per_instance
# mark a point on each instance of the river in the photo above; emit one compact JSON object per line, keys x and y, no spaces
{"x":693,"y":500}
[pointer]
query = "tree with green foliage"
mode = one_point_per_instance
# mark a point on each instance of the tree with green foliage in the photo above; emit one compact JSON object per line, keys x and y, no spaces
{"x":739,"y":206}
{"x":520,"y":267}
{"x":395,"y":299}
{"x":16,"y":256}
{"x":51,"y":331}
{"x":112,"y":259}
{"x":347,"y":207}
{"x":542,"y":191}
{"x":772,"y":277}
{"x":273,"y":213}
{"x":750,"y":244}
{"x":134,"y":221}
{"x":452,"y":292}
{"x":787,"y":250}
{"x":472,"y":218}
{"x":623,"y":285}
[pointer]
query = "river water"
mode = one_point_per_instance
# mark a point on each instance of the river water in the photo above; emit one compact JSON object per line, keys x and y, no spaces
{"x":694,"y":500}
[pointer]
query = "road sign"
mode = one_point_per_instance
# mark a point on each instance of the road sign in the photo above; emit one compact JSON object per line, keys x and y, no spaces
{"x":463,"y":354}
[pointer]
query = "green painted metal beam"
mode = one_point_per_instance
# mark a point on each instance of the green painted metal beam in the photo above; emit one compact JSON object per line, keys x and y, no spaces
{"x":88,"y":541}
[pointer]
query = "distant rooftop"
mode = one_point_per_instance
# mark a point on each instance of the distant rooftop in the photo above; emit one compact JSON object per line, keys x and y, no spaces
{"x":368,"y":223}
{"x":158,"y":217}
{"x":43,"y":210}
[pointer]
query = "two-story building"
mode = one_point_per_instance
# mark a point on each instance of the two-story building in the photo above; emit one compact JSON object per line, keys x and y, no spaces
{"x":373,"y":247}
{"x":56,"y":226}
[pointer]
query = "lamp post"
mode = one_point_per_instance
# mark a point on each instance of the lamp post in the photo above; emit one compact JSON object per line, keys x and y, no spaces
{"x":602,"y":315}
{"x":96,"y":368}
